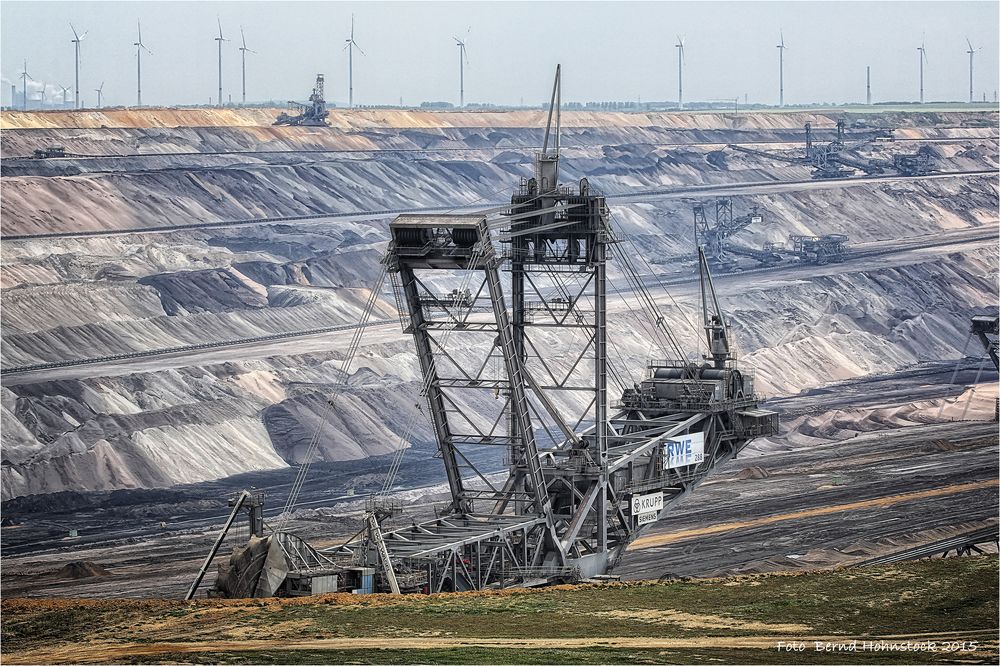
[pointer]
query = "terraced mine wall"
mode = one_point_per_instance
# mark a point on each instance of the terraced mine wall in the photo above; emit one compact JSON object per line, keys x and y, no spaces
{"x":218,"y":408}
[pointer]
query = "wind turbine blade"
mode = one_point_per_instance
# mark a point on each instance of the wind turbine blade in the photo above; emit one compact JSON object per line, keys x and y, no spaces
{"x":358,"y":47}
{"x":969,"y":43}
{"x":75,"y":36}
{"x":220,"y":27}
{"x":352,"y":27}
{"x":347,"y":45}
{"x":139,"y":28}
{"x":243,"y":37}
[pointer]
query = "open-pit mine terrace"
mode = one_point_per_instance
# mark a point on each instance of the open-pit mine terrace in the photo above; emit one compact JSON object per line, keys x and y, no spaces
{"x":179,"y":290}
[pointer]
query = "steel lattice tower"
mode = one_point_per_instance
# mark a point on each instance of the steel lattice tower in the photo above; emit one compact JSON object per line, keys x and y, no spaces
{"x":585,"y":476}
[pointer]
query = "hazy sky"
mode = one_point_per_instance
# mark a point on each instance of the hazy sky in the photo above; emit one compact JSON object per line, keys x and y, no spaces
{"x":609,"y":50}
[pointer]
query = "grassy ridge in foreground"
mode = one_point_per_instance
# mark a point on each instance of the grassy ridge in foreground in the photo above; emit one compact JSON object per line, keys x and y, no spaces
{"x":732,"y":620}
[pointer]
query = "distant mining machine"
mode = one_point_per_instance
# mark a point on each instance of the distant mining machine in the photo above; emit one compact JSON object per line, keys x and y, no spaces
{"x":820,"y":249}
{"x":839,"y":159}
{"x":713,"y":234}
{"x":313,"y":114}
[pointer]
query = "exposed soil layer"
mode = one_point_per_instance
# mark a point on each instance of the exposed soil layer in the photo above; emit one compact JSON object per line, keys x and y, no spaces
{"x":198,"y":416}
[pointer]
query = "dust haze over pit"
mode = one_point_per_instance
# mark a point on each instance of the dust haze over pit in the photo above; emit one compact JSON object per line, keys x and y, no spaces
{"x":609,"y":50}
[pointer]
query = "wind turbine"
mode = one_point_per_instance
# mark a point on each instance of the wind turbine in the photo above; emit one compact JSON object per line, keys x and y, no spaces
{"x":680,"y":71}
{"x":971,"y":53}
{"x":220,"y":39}
{"x":922,"y":58}
{"x":24,"y":86}
{"x":65,"y":90}
{"x":243,"y":56}
{"x":77,"y":38}
{"x":463,"y":59}
{"x":781,"y":69}
{"x":139,"y":48}
{"x":100,"y":93}
{"x":349,"y":47}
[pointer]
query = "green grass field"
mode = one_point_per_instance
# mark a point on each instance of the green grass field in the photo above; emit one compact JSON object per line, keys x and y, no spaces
{"x":738,"y":620}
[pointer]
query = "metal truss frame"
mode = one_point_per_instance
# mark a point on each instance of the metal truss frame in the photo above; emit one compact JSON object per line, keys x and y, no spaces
{"x":563,"y":510}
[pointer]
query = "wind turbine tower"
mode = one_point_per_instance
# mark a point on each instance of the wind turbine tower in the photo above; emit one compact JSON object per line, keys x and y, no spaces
{"x":243,"y":62}
{"x":100,"y":94}
{"x":24,"y":86}
{"x":922,"y":58}
{"x":868,"y":85}
{"x":680,"y":72}
{"x":781,"y":69}
{"x":139,"y":48}
{"x":971,"y":53}
{"x":463,"y":58}
{"x":77,"y":38}
{"x":220,"y":39}
{"x":349,"y":47}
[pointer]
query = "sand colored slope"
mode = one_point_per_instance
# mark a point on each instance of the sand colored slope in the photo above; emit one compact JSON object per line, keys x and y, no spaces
{"x":878,"y":502}
{"x":399,"y":118}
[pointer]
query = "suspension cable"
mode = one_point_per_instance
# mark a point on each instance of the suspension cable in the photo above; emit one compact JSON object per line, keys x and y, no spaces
{"x":954,"y":374}
{"x":345,"y":368}
{"x":656,"y":276}
{"x":397,"y":459}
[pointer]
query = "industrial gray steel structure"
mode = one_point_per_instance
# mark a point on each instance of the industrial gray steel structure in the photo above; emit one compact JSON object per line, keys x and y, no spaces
{"x":837,"y":159}
{"x":312,"y":114}
{"x":586,"y":474}
{"x":713,"y":235}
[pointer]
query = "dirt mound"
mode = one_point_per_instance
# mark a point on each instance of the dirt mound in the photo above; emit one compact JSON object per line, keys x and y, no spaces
{"x":753,"y":473}
{"x":944,"y":445}
{"x":77,"y":570}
